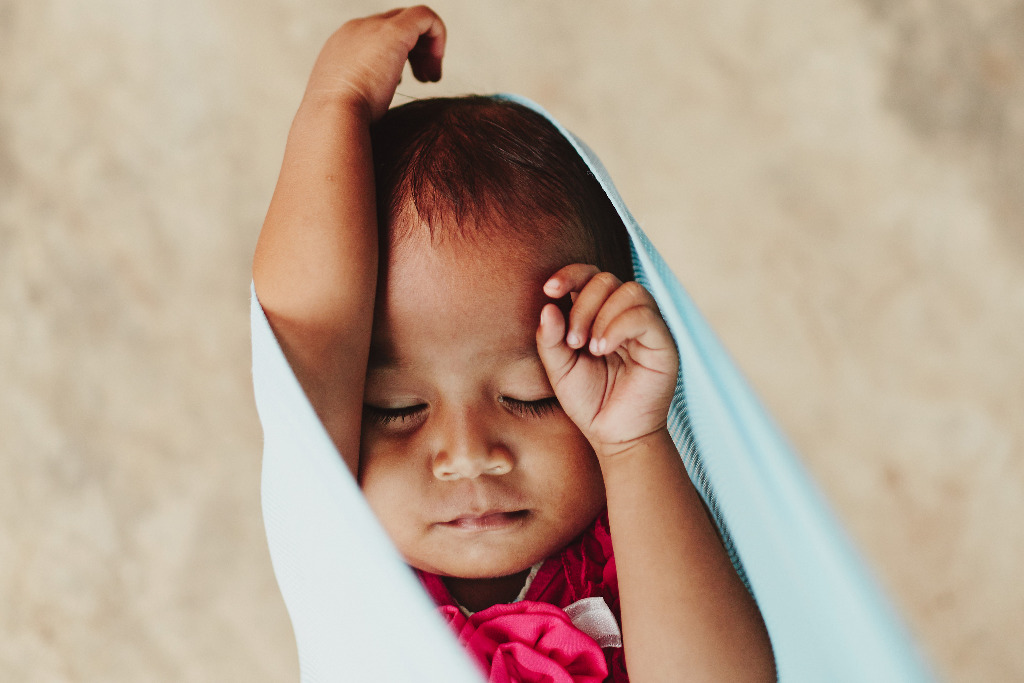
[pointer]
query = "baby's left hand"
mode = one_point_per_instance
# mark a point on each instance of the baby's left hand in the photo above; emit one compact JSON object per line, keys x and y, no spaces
{"x":614,"y":371}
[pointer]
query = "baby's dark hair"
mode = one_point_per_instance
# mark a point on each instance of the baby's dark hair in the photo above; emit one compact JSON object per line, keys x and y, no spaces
{"x":487,"y":162}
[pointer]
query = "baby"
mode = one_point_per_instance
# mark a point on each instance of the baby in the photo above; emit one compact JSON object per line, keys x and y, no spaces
{"x":453,"y":290}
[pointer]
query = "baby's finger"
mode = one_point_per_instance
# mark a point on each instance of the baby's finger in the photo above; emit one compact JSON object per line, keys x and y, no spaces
{"x":587,"y":305}
{"x":644,"y":334}
{"x":569,"y":279}
{"x":554,"y":353}
{"x":425,"y":57}
{"x":629,"y":295}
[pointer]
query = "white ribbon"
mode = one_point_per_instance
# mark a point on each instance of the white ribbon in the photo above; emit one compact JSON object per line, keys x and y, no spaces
{"x":595,"y":618}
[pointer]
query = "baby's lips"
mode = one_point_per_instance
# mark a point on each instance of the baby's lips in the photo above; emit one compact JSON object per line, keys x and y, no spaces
{"x":487,"y":521}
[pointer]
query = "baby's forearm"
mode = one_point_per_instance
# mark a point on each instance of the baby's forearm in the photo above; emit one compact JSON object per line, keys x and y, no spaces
{"x":685,"y":613}
{"x":315,"y":266}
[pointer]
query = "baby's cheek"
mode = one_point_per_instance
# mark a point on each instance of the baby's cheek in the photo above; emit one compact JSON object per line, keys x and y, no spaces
{"x":390,"y":503}
{"x":569,"y":435}
{"x":382,"y":482}
{"x":376,"y":454}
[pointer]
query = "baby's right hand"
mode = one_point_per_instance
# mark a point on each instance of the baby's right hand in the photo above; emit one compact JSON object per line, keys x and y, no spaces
{"x":361,"y":63}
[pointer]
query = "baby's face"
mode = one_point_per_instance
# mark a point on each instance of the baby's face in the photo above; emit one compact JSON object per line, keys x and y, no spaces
{"x":466,"y":459}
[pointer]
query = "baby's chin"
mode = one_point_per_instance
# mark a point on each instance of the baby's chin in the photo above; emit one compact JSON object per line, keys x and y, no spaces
{"x":478,"y":568}
{"x":470,"y":575}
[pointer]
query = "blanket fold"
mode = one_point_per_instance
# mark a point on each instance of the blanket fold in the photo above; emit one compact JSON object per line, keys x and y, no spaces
{"x":359,"y":613}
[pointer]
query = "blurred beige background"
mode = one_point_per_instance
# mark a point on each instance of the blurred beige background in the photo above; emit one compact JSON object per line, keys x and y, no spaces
{"x":840,"y":184}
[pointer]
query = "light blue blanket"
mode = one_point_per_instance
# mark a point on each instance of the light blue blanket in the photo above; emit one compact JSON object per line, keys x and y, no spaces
{"x":359,"y":614}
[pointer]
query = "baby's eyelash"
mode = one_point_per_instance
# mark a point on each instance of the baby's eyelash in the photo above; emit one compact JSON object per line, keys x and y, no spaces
{"x":387,"y":416}
{"x":536,"y":408}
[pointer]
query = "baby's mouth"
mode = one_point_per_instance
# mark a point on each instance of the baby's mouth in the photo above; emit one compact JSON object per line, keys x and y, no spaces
{"x":488,"y":521}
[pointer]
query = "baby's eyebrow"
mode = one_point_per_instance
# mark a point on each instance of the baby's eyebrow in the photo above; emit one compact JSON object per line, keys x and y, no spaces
{"x":381,"y":356}
{"x":524,"y":353}
{"x":521,"y":357}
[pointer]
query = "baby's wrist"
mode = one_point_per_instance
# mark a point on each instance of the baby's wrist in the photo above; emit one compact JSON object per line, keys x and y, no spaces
{"x":657,"y":440}
{"x":338,"y":105}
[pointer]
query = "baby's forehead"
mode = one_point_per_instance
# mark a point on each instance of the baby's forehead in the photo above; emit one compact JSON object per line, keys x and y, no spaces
{"x":385,"y":354}
{"x":458,"y":331}
{"x":480,"y":297}
{"x":515,"y":259}
{"x":463,"y":287}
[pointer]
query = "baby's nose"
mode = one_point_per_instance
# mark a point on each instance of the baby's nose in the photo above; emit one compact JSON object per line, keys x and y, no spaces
{"x":465,"y":463}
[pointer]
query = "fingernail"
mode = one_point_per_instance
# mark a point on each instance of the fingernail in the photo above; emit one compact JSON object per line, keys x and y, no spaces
{"x":602,"y":345}
{"x":572,"y":339}
{"x":551,"y":284}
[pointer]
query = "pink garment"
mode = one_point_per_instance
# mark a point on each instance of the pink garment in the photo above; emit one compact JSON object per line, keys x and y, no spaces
{"x":527,"y":641}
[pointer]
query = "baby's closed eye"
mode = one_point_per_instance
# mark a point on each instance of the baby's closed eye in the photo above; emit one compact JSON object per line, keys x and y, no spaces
{"x":536,"y":408}
{"x":398,"y":417}
{"x":401,"y":417}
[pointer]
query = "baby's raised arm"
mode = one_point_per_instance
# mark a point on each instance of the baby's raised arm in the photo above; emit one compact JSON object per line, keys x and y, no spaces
{"x":685,"y":613}
{"x":315,"y":266}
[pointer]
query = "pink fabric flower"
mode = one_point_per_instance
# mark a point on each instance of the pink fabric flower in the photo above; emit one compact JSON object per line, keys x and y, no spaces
{"x":528,"y":642}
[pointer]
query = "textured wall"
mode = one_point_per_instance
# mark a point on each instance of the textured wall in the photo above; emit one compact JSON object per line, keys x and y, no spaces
{"x":840,"y":185}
